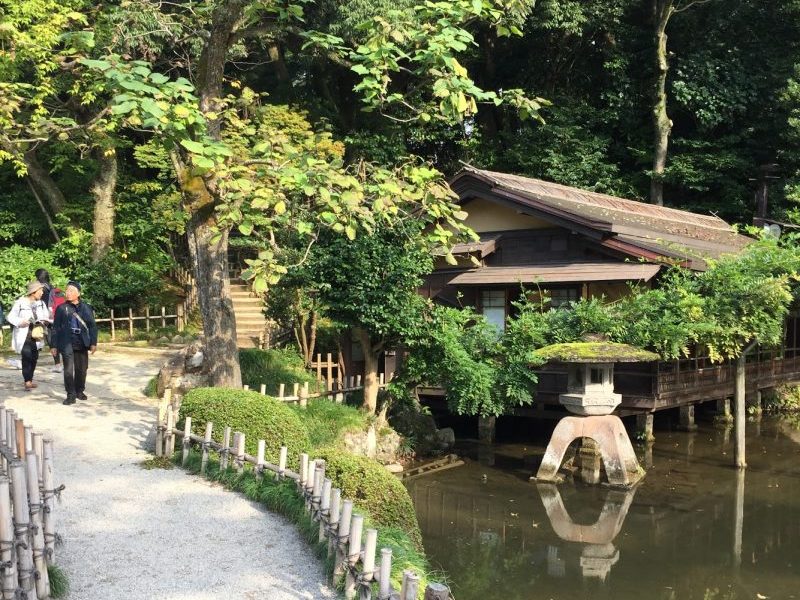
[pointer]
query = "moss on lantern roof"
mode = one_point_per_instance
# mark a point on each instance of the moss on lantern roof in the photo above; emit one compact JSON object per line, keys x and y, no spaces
{"x":594,"y":352}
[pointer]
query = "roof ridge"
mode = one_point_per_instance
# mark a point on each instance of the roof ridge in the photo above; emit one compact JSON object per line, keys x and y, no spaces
{"x":660,"y":212}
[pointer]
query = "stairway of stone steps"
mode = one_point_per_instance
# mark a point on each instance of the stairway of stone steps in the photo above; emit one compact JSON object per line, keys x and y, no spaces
{"x":250,"y":321}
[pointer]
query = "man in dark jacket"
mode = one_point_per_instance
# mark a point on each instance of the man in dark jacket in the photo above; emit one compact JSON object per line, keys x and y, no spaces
{"x":74,"y":336}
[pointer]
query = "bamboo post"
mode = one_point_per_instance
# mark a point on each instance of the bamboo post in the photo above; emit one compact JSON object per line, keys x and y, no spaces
{"x":368,"y":566}
{"x":333,"y":519}
{"x":303,"y":471}
{"x":358,"y":381}
{"x":353,"y":555}
{"x":324,"y":508}
{"x":113,"y":331}
{"x":329,"y":367}
{"x":3,"y":437}
{"x":246,"y":387}
{"x":263,"y":389}
{"x":173,"y":409}
{"x":282,"y":462}
{"x":437,"y":591}
{"x":11,"y":429}
{"x":130,"y":322}
{"x":296,"y":390}
{"x":48,"y":484}
{"x":163,"y":317}
{"x":38,"y":448}
{"x":8,"y":575}
{"x":262,"y":448}
{"x":238,"y":443}
{"x":316,"y":489}
{"x":187,"y":439}
{"x":206,"y":446}
{"x":303,"y":397}
{"x":147,"y":318}
{"x":345,"y":518}
{"x":410,"y":586}
{"x":225,"y":450}
{"x":179,"y":312}
{"x":21,"y":529}
{"x":169,"y":440}
{"x":19,"y":432}
{"x":37,"y":532}
{"x":319,"y":367}
{"x":281,"y":391}
{"x":384,"y":583}
{"x":382,"y":378}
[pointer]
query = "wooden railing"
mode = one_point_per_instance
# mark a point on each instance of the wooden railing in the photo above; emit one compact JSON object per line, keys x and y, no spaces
{"x":27,"y":509}
{"x":339,"y":523}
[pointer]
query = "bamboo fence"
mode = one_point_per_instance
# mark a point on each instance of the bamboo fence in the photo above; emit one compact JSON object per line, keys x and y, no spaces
{"x":27,"y":499}
{"x":326,"y":388}
{"x":354,"y":550}
{"x":128,"y":318}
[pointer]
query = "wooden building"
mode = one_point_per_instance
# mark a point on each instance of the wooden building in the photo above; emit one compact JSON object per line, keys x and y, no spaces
{"x":575,"y":244}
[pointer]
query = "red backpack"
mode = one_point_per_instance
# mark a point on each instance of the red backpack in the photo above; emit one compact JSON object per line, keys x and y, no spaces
{"x":56,"y":299}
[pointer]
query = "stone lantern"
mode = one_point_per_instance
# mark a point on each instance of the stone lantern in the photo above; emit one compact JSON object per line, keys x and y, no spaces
{"x":590,"y":395}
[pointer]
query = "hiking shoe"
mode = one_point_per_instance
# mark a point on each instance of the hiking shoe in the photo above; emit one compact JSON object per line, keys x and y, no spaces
{"x":69,"y":400}
{"x":59,"y":368}
{"x":82,"y":396}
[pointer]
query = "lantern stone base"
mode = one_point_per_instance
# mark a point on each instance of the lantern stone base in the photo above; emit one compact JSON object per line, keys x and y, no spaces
{"x":613,"y":443}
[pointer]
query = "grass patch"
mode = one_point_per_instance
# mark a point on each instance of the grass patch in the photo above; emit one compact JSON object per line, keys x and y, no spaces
{"x":273,"y":367}
{"x":283,"y":498}
{"x":151,"y":389}
{"x":59,"y":584}
{"x":327,"y":422}
{"x":157,"y":462}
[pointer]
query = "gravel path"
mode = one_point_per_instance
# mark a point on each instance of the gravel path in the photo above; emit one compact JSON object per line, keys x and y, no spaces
{"x":159,"y":534}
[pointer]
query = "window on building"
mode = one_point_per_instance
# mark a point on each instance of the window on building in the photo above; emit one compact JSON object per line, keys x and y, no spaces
{"x":560,"y":296}
{"x":493,"y":307}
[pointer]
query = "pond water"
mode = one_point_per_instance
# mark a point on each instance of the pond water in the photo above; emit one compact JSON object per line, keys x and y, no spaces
{"x":695,"y":528}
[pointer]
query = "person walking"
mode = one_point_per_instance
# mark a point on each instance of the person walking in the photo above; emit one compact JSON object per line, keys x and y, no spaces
{"x":29,"y":316}
{"x":75,"y":337}
{"x":52,"y":298}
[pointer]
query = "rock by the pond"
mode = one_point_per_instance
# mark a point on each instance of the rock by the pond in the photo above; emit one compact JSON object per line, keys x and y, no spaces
{"x":162,"y":340}
{"x":394,"y":468}
{"x":177,"y":339}
{"x":183,"y":372}
{"x":446,"y":437}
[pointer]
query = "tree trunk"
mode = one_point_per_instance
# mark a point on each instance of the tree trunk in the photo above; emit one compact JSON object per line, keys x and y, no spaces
{"x":210,"y":245}
{"x":103,"y":192}
{"x":370,"y":371}
{"x":662,"y":126}
{"x":43,"y":183}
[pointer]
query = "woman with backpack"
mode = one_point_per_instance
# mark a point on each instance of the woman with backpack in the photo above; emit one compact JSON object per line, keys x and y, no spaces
{"x":29,"y":316}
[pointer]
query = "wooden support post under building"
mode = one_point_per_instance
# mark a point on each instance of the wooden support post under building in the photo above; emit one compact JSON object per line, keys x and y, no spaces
{"x":644,"y":427}
{"x":723,"y":411}
{"x":687,"y":418}
{"x":486,"y":429}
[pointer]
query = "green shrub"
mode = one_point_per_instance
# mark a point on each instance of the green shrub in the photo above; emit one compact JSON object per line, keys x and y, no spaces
{"x":257,"y":416}
{"x":327,"y":422}
{"x":273,"y":367}
{"x":18,"y":265}
{"x":783,"y":399}
{"x":374,"y":488}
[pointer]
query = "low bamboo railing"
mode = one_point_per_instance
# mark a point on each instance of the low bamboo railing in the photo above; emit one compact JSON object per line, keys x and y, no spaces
{"x":354,"y":550}
{"x":27,"y":503}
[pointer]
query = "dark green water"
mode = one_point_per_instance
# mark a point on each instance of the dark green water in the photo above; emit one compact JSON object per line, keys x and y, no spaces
{"x":695,"y":528}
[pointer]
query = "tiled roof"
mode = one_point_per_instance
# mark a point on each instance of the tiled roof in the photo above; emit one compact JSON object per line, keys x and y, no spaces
{"x":575,"y":272}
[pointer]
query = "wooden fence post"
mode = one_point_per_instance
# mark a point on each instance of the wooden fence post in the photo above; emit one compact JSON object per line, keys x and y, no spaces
{"x":339,"y":564}
{"x":48,"y":484}
{"x":113,"y":331}
{"x":8,"y":575}
{"x":263,"y":389}
{"x":410,"y":586}
{"x":38,"y":448}
{"x":19,"y":437}
{"x":384,"y":583}
{"x":303,"y":397}
{"x":437,"y":591}
{"x":333,"y":519}
{"x":282,"y":462}
{"x":239,"y":444}
{"x":130,"y":322}
{"x":181,"y":320}
{"x":368,"y":570}
{"x":324,"y":509}
{"x":262,"y":449}
{"x":163,"y":317}
{"x":206,"y":447}
{"x":353,"y":556}
{"x":37,"y":532}
{"x":187,"y":439}
{"x":147,"y":318}
{"x":319,"y":367}
{"x":169,"y":437}
{"x":22,"y":527}
{"x":329,"y":367}
{"x":225,"y":450}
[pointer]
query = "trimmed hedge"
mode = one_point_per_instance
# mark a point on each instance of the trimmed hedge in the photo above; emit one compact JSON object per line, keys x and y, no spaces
{"x":273,"y":367}
{"x":371,"y":486}
{"x":327,"y":422}
{"x":258,"y":417}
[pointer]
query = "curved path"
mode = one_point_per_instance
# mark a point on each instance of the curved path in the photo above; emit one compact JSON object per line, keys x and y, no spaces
{"x":159,"y":534}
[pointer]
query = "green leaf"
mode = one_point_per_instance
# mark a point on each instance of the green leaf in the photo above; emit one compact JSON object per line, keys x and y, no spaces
{"x":193,"y":147}
{"x":350,"y":231}
{"x":246,"y":227}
